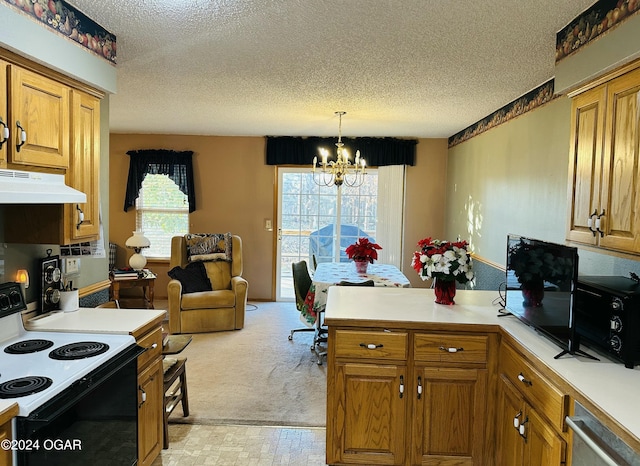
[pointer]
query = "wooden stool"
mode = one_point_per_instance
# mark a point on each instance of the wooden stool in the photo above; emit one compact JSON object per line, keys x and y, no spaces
{"x":175,"y":391}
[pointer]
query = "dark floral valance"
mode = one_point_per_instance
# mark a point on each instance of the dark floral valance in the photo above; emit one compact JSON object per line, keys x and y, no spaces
{"x":378,"y":152}
{"x":177,"y":165}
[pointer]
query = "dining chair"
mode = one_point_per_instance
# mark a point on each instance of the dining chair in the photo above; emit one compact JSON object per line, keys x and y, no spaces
{"x":321,"y":336}
{"x":301,"y":285}
{"x":365,"y":283}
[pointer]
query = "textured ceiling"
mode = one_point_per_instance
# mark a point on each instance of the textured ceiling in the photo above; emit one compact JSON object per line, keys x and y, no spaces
{"x":405,"y":68}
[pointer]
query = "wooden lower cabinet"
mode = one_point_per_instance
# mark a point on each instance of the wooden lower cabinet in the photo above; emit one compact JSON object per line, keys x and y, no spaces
{"x":150,"y":413}
{"x":449,"y":416}
{"x":529,"y":416}
{"x":150,"y":396}
{"x":535,"y":443}
{"x":370,"y":414}
{"x":5,"y":454}
{"x":382,"y":409}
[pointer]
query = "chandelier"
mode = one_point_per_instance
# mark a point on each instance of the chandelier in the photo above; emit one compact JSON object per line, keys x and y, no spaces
{"x":342,"y":170}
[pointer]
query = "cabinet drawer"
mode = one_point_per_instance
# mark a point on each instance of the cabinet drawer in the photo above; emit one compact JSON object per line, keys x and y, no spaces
{"x":372,"y":344}
{"x":539,"y":392}
{"x":152,"y":341}
{"x":450,"y":348}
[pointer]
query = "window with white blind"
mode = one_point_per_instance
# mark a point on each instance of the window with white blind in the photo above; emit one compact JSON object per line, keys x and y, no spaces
{"x":162,"y":211}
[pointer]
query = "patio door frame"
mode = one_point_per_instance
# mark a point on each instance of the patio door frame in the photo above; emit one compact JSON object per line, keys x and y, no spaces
{"x":278,"y":237}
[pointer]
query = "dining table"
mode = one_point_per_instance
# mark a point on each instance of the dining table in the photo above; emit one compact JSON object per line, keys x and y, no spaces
{"x":328,"y":274}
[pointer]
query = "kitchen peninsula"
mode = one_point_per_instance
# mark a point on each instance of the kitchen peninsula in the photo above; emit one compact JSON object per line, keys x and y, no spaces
{"x":411,"y":382}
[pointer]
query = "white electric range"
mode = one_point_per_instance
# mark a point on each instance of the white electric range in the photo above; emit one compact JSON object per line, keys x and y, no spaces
{"x":36,"y":366}
{"x":69,"y":387}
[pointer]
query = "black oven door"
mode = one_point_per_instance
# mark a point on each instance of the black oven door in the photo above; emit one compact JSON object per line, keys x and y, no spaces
{"x":95,"y":421}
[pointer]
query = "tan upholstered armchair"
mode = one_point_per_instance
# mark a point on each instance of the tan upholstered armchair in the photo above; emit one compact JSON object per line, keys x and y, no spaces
{"x":208,"y":311}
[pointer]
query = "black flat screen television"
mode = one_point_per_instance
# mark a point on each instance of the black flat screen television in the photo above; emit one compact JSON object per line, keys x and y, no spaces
{"x":541,"y":279}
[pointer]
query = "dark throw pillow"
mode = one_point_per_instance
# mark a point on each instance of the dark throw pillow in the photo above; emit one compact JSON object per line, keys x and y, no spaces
{"x":193,"y":277}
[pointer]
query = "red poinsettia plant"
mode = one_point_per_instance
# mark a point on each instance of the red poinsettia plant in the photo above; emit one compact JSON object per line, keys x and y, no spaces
{"x":363,"y":250}
{"x":444,"y":260}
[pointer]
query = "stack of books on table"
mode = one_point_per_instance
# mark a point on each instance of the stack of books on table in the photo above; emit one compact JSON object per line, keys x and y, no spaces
{"x":124,"y":274}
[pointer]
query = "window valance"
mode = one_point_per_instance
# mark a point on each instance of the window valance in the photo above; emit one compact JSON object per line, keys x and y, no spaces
{"x":378,"y":152}
{"x":178,"y":166}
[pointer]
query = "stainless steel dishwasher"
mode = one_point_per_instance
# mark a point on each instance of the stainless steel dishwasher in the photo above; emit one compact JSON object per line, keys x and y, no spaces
{"x":595,"y":445}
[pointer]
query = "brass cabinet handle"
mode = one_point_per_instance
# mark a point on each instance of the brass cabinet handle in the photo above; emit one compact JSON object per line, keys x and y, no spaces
{"x":401,"y":389}
{"x":419,"y":387}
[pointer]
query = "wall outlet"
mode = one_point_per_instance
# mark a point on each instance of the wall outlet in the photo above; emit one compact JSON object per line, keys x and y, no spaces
{"x":71,"y":265}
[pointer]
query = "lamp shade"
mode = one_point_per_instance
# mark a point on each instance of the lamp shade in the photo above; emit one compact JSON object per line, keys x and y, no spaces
{"x":137,"y":241}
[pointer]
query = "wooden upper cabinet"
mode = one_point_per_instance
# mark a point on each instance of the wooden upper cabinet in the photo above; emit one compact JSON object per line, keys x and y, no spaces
{"x":82,"y":221}
{"x":40,"y":106}
{"x":4,"y":112}
{"x":621,"y":167}
{"x":604,"y":170}
{"x":587,"y":125}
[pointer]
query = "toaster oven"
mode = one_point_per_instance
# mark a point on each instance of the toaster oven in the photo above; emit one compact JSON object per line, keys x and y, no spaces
{"x":607,"y":316}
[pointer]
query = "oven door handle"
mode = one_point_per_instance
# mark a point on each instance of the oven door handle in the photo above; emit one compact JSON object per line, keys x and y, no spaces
{"x":586,"y":438}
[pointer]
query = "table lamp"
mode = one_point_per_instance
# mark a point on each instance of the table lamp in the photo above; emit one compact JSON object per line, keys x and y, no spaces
{"x":137,"y":242}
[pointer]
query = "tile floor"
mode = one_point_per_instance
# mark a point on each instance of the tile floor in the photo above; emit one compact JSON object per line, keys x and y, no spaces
{"x":241,"y":445}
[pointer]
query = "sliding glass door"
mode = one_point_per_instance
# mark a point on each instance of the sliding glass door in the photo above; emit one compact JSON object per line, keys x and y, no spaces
{"x":319,"y":221}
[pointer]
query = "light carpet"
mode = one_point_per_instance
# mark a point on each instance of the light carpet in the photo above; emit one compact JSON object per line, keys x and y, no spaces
{"x":255,"y":375}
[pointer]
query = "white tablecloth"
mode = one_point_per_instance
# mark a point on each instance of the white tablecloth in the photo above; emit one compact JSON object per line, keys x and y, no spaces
{"x":332,"y":273}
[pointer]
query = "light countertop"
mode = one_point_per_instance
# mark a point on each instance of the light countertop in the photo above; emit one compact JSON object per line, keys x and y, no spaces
{"x":97,"y":320}
{"x":606,"y":383}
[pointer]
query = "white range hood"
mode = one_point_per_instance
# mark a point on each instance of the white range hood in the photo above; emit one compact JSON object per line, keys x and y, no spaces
{"x":22,"y":187}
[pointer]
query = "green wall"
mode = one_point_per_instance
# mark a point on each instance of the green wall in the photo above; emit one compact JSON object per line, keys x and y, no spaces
{"x":514,"y":179}
{"x":511,"y":179}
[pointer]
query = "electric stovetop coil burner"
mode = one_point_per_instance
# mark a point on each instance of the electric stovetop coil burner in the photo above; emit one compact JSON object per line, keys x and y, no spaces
{"x":29,"y":346}
{"x":79,"y":350}
{"x":24,"y":386}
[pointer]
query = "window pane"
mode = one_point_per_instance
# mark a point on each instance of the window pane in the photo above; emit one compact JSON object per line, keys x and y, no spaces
{"x":162,"y":212}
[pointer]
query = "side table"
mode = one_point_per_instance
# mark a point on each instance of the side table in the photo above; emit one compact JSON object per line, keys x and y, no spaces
{"x":146,"y":282}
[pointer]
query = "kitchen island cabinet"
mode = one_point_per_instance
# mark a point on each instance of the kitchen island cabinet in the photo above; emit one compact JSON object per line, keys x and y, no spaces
{"x":369,"y":407}
{"x":146,"y":327}
{"x":374,"y":390}
{"x":480,"y":386}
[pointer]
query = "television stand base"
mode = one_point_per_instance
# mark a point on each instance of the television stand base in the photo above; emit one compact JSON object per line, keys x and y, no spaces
{"x":575,"y":352}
